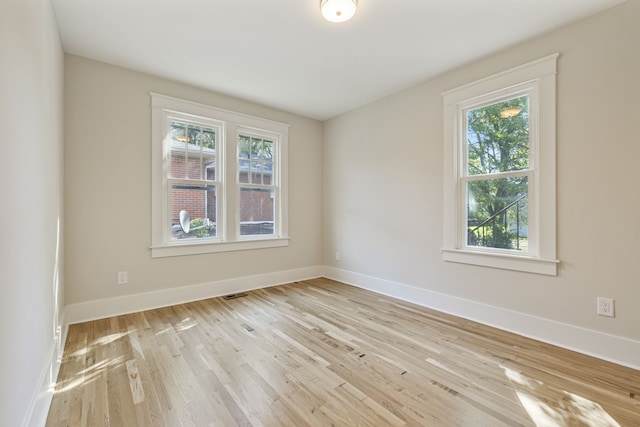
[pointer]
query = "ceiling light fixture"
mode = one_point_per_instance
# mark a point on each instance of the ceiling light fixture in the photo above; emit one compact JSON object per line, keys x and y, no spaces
{"x":338,"y":10}
{"x":507,"y":113}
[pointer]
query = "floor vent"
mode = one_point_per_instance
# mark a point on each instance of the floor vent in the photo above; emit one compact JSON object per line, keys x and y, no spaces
{"x":234,"y":296}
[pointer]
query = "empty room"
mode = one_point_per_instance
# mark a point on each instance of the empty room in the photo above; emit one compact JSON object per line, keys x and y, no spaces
{"x":320,"y":213}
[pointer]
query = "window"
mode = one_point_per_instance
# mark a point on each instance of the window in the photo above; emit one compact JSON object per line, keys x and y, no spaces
{"x":191,"y":179}
{"x":496,"y":174}
{"x":500,"y":170}
{"x":218,"y":180}
{"x":257,"y":186}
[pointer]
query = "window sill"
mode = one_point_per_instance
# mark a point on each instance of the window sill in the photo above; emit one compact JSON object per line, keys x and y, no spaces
{"x":207,"y":247}
{"x":502,"y":261}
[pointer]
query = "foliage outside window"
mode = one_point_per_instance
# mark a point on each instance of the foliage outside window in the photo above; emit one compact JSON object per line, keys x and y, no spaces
{"x":218,"y":180}
{"x":500,"y":170}
{"x":496,"y":179}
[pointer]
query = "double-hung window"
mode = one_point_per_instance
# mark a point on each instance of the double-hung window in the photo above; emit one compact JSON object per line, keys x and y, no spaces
{"x":219,"y":179}
{"x":500,"y":170}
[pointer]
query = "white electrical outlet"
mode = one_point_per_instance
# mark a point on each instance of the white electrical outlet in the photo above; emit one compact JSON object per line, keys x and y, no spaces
{"x":606,"y":307}
{"x":122,"y":278}
{"x":338,"y":256}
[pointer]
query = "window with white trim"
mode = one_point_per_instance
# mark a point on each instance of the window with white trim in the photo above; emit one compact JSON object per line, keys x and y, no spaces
{"x":500,"y":172}
{"x":219,"y":179}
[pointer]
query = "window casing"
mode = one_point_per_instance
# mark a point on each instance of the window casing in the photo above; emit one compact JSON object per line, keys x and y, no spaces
{"x":500,"y":172}
{"x":232,"y":195}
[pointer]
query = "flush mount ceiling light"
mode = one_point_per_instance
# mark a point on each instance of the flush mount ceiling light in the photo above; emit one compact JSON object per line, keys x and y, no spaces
{"x":338,"y":10}
{"x":510,"y":112}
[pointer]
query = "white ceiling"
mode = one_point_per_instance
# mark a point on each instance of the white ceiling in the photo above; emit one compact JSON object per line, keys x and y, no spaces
{"x":282,"y":53}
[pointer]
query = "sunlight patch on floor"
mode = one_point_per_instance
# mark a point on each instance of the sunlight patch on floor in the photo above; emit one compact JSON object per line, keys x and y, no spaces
{"x":570,"y":409}
{"x":109,"y":338}
{"x":186,"y":324}
{"x":89,"y":374}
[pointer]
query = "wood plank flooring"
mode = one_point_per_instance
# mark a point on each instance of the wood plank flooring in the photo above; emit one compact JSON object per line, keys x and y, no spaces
{"x":321,"y":353}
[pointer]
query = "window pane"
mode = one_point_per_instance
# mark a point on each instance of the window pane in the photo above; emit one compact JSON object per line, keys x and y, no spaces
{"x":267,"y":152}
{"x":205,"y":155}
{"x":178,"y":149}
{"x":192,"y":151}
{"x":199,"y":202}
{"x":257,"y":209}
{"x":267,"y":162}
{"x":256,"y":148}
{"x":255,"y":160}
{"x":210,"y":171}
{"x":267,"y":173}
{"x":498,"y":137}
{"x":497,"y":213}
{"x":243,"y":159}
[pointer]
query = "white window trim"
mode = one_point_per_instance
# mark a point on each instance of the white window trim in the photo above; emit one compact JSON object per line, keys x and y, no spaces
{"x":540,"y":76}
{"x":232,"y":124}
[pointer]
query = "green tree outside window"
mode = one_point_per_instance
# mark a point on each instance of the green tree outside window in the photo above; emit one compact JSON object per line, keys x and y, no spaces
{"x":497,"y":181}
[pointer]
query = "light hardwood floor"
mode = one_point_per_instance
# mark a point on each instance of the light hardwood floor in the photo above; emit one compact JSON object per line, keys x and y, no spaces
{"x":321,"y":353}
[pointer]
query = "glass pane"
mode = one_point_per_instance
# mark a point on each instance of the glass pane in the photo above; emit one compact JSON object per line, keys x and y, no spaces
{"x":255,"y":160}
{"x":199,"y":203}
{"x":178,"y":132}
{"x":256,"y":177}
{"x":192,"y":151}
{"x":257,"y":208}
{"x":267,"y":173}
{"x":178,"y":149}
{"x":243,"y":171}
{"x":194,"y":154}
{"x":256,"y":148}
{"x":208,"y":140}
{"x":267,"y":162}
{"x":267,"y":151}
{"x":498,"y":137}
{"x":243,"y":147}
{"x":243,"y":159}
{"x":210,"y":169}
{"x":497,"y":213}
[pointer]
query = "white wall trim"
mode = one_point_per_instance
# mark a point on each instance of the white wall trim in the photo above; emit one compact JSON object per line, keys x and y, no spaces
{"x":613,"y":348}
{"x":108,"y":307}
{"x":41,"y":400}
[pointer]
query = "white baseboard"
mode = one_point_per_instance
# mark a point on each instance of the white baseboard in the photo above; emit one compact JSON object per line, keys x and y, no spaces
{"x":616,"y":349}
{"x":41,"y":401}
{"x":108,"y":307}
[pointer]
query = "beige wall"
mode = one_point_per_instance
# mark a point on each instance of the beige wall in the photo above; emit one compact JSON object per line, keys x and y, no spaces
{"x":31,"y":297}
{"x":108,"y":188}
{"x":383,"y":183}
